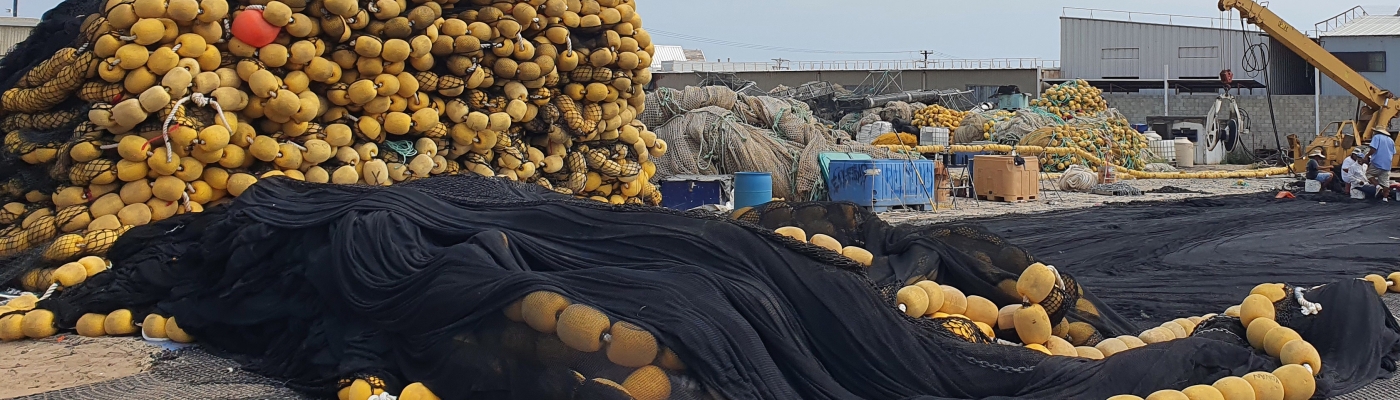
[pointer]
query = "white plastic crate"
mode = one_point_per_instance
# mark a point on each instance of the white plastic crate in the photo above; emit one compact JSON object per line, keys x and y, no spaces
{"x":932,"y":136}
{"x":1165,"y":149}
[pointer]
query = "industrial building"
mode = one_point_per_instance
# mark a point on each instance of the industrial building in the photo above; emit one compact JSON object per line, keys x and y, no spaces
{"x":1365,"y":44}
{"x":14,"y":30}
{"x":1131,"y":52}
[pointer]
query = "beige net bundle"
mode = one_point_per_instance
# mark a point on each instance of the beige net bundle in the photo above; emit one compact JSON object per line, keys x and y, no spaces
{"x":1021,"y":124}
{"x":971,"y":129}
{"x":713,"y":140}
{"x":897,"y":110}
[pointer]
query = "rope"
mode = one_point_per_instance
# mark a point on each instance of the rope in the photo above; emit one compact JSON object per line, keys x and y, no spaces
{"x":1309,"y":308}
{"x":403,"y":147}
{"x":1077,"y":178}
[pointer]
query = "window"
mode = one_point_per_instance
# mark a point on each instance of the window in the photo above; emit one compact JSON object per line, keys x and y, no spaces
{"x":1130,"y":53}
{"x":1198,"y":52}
{"x":1363,"y":61}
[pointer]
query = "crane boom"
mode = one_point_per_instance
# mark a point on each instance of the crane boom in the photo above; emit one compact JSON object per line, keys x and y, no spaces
{"x":1377,"y":100}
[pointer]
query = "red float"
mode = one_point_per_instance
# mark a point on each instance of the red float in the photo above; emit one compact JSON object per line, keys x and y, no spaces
{"x":250,"y":27}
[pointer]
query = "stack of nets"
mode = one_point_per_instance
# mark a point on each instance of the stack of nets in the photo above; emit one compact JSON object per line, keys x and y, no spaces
{"x":939,"y":117}
{"x":1106,"y":135}
{"x":1070,"y":99}
{"x":478,"y":288}
{"x":739,"y":133}
{"x":124,"y":112}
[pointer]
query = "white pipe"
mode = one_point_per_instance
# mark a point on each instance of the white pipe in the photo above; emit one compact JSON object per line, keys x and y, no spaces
{"x":1166,"y":89}
{"x":1317,"y":101}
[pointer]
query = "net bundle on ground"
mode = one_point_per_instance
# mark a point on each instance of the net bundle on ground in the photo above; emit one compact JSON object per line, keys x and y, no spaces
{"x":717,"y":131}
{"x":480,"y":288}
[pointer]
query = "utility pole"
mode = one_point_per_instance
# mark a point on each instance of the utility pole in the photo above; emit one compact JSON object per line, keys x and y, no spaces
{"x":926,"y":53}
{"x":780,"y":62}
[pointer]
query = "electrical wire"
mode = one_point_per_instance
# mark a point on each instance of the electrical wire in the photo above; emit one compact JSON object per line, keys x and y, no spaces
{"x":727,"y":43}
{"x":1256,"y":62}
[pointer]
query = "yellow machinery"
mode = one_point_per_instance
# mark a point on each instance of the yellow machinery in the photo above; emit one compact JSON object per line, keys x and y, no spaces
{"x":1379,"y":109}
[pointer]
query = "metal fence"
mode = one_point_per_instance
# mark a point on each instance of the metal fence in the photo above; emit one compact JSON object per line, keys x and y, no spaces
{"x":861,"y":65}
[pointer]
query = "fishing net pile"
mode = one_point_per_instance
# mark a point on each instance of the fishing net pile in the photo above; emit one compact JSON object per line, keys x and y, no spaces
{"x":713,"y":130}
{"x":1072,"y":115}
{"x":939,"y":117}
{"x":471,"y":288}
{"x":118,"y":113}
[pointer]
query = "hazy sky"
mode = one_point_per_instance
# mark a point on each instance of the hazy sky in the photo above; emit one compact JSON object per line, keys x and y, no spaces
{"x":759,"y":30}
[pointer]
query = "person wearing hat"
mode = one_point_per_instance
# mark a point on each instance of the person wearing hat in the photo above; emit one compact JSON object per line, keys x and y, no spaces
{"x":1354,"y":174}
{"x":1315,"y":166}
{"x":1354,"y":170}
{"x":1379,"y":158}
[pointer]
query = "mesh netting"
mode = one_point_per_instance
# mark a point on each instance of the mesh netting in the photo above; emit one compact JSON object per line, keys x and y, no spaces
{"x":989,"y":265}
{"x":315,"y":284}
{"x":768,"y":134}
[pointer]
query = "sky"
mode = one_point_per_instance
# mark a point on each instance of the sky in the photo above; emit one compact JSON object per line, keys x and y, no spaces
{"x":815,"y":30}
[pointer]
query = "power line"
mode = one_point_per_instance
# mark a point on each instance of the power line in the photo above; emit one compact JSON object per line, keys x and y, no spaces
{"x":727,"y":43}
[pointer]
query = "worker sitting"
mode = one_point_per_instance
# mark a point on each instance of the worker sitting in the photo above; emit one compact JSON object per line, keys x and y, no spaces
{"x":1354,"y":174}
{"x":1380,"y":157}
{"x":1315,"y":166}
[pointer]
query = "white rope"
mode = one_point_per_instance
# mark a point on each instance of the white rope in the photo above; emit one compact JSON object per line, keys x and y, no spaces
{"x":165,"y":128}
{"x":1058,"y":280}
{"x":1308,"y":307}
{"x":49,"y":292}
{"x":1077,"y":178}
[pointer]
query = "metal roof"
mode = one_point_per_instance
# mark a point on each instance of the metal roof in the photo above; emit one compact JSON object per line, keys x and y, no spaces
{"x":667,"y":53}
{"x":1370,"y":25}
{"x":21,"y":22}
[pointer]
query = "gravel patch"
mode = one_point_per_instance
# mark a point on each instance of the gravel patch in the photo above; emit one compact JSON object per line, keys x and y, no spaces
{"x":1052,"y":199}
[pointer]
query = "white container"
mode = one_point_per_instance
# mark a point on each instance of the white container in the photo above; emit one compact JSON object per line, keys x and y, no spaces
{"x":931,"y":136}
{"x":870,"y":132}
{"x":1185,"y":152}
{"x":1165,"y":149}
{"x":1312,"y":186}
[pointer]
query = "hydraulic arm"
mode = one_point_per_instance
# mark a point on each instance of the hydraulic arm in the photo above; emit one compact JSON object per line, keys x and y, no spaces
{"x":1379,"y":102}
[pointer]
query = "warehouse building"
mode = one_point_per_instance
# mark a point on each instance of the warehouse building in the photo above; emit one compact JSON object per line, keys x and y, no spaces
{"x":14,"y":30}
{"x":1365,"y":44}
{"x":1132,"y":52}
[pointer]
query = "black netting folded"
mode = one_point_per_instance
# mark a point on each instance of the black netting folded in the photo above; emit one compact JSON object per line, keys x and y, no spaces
{"x":420,"y":282}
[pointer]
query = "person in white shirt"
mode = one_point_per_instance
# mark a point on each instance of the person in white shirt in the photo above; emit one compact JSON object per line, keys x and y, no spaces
{"x":1353,"y":170}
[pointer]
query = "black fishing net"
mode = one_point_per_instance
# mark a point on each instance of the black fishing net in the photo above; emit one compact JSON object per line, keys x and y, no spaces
{"x":60,"y":27}
{"x":1156,"y":261}
{"x":315,"y":284}
{"x":964,"y":256}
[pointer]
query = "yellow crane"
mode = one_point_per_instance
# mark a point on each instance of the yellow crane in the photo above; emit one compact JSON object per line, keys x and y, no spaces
{"x":1380,"y":108}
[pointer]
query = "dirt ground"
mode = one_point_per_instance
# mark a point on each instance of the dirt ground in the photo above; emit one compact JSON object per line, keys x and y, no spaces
{"x":1054,"y":200}
{"x":37,"y":366}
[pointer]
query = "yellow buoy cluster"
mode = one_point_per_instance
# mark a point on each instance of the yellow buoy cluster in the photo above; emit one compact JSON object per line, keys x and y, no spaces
{"x":184,"y":114}
{"x":1072,"y":98}
{"x":1295,"y":380}
{"x":1031,"y":321}
{"x":857,"y":254}
{"x":565,"y":327}
{"x":939,"y":117}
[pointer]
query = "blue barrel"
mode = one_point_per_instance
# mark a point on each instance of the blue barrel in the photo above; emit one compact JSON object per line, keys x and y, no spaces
{"x":752,"y":188}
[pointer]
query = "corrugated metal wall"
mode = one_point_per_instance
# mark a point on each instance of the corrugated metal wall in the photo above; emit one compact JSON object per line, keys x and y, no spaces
{"x":1099,"y":49}
{"x":12,"y":35}
{"x":1389,"y":80}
